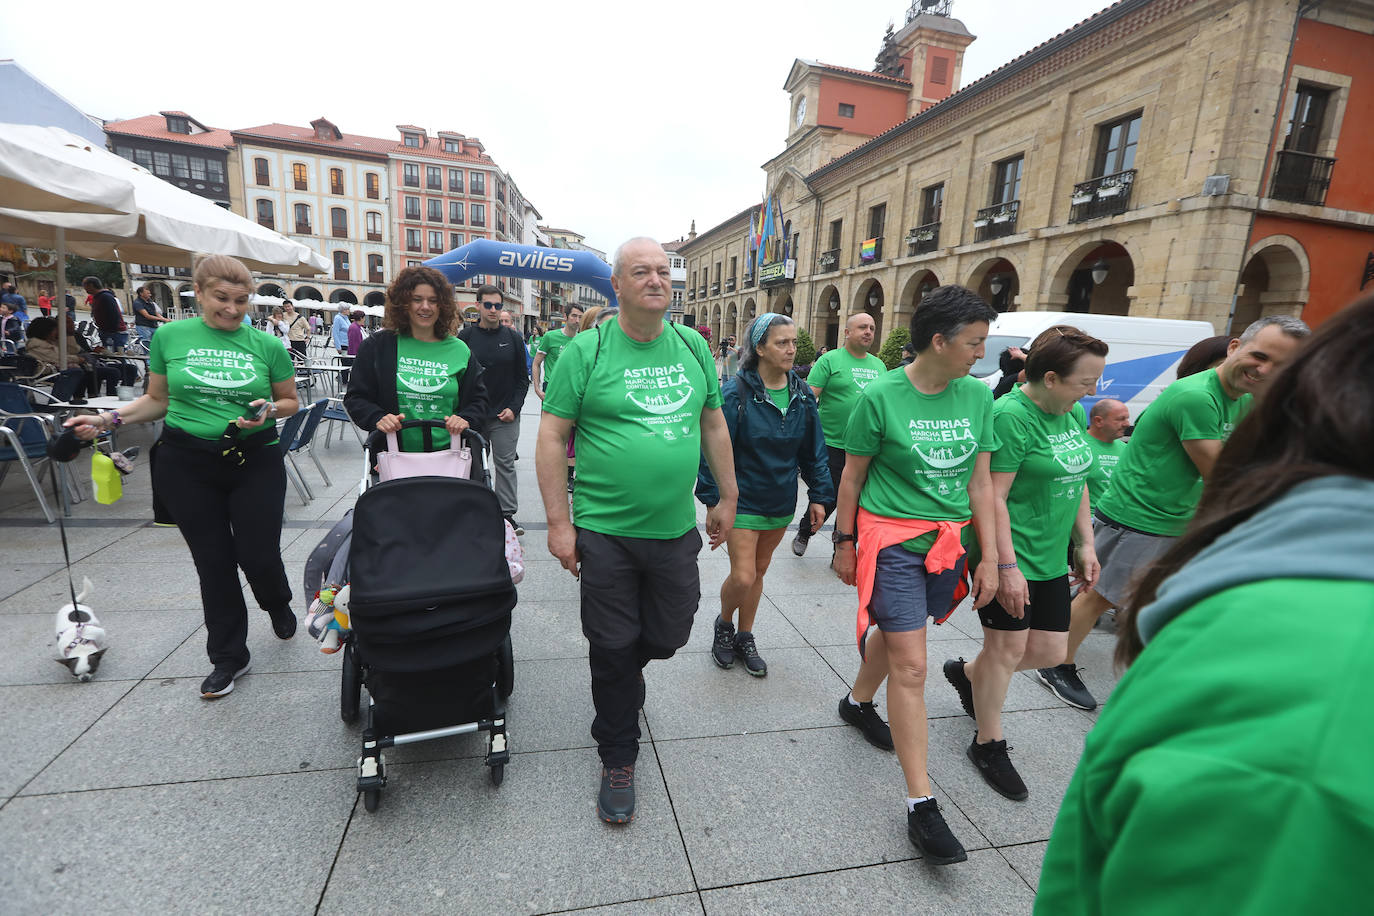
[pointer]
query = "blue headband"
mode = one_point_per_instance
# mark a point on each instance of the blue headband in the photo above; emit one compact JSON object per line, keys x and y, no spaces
{"x":759,"y":330}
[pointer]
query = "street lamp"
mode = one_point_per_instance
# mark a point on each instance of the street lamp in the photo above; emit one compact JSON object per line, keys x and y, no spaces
{"x":1100,"y":270}
{"x":873,"y":297}
{"x":834,"y":300}
{"x":997,"y":283}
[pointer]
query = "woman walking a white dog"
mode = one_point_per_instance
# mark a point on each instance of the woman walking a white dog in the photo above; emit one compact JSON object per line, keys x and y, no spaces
{"x":221,"y":387}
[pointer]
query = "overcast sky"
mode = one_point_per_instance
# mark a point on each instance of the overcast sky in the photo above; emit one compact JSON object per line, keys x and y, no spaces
{"x":614,"y":118}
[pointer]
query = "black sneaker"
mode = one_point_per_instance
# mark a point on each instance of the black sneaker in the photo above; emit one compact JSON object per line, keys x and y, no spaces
{"x":283,"y":622}
{"x":753,"y":662}
{"x":799,"y":544}
{"x":519,"y":530}
{"x":926,"y":828}
{"x":615,"y":803}
{"x":1063,"y":681}
{"x":572,"y":481}
{"x":865,"y":718}
{"x":992,"y":761}
{"x":221,"y":682}
{"x":954,"y":673}
{"x":723,"y":646}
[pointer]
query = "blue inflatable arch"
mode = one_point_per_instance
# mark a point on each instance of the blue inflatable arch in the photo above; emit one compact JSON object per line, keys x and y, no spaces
{"x":530,"y":262}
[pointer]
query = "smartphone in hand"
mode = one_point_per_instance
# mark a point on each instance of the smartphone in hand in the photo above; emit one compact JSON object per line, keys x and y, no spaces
{"x":254,"y":414}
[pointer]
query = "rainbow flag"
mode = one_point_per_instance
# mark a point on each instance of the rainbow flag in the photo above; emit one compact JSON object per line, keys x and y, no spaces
{"x":868,"y":250}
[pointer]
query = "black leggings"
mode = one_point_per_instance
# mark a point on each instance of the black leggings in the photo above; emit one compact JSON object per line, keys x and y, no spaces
{"x":231,"y":519}
{"x":836,"y":456}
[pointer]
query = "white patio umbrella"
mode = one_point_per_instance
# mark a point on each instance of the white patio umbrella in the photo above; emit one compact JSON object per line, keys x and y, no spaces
{"x":48,"y":168}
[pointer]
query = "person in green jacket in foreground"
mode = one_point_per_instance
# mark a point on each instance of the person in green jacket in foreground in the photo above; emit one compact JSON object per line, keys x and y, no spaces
{"x":1230,"y":771}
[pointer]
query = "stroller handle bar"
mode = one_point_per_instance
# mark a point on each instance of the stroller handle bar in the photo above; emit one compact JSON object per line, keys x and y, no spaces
{"x":472,"y":437}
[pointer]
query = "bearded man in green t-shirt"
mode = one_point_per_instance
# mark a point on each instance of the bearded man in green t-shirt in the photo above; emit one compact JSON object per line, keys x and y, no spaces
{"x":1156,"y":486}
{"x":837,"y":379}
{"x":551,"y":347}
{"x":646,"y":401}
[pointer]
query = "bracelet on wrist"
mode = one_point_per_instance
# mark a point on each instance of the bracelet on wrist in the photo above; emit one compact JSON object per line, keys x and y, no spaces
{"x":1006,"y":566}
{"x":113,"y":419}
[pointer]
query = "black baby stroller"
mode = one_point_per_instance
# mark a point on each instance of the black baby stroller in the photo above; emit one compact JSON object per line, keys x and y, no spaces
{"x":429,"y":600}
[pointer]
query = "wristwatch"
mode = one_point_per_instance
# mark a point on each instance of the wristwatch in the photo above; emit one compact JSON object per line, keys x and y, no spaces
{"x":838,"y":538}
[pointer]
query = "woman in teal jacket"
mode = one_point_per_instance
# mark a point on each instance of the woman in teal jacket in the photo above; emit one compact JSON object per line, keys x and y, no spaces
{"x":1230,"y":771}
{"x":776,"y":431}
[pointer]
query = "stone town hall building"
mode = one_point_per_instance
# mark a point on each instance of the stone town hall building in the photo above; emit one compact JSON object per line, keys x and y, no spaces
{"x":1211,"y":155}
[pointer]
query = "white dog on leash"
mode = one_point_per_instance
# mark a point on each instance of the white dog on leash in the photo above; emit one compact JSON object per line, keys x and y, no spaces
{"x":80,"y":637}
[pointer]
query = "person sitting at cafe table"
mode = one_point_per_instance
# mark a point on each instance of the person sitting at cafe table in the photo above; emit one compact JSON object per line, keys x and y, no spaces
{"x":42,"y":346}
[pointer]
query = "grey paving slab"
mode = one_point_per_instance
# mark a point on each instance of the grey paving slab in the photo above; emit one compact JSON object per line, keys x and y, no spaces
{"x":138,"y":641}
{"x":271,"y":723}
{"x":533,"y":845}
{"x":690,"y":697}
{"x":260,"y":845}
{"x":146,"y":545}
{"x":772,"y":630}
{"x":1026,"y":859}
{"x":798,"y":802}
{"x":547,"y":581}
{"x":118,"y":586}
{"x":270,"y":655}
{"x":547,"y":629}
{"x":1045,"y":747}
{"x":675,"y":905}
{"x":941,"y":700}
{"x":23,"y":568}
{"x":42,"y":720}
{"x":982,"y":886}
{"x":829,"y":619}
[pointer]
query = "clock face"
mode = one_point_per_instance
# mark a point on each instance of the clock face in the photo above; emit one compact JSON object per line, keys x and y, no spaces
{"x":801,"y":111}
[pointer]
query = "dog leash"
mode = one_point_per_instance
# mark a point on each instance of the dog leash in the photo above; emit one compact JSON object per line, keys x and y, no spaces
{"x":66,"y":551}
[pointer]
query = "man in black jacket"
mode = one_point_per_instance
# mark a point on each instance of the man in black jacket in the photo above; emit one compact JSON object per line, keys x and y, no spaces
{"x":501,"y":353}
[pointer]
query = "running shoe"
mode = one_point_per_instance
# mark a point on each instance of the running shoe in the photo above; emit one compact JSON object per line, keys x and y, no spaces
{"x":1063,"y":681}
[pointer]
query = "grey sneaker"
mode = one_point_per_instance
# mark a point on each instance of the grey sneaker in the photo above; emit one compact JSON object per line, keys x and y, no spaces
{"x":519,"y":530}
{"x":753,"y":662}
{"x":723,"y":646}
{"x":1063,"y":681}
{"x":799,"y":544}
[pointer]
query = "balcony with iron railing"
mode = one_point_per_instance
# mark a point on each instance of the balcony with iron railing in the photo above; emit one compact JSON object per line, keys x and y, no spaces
{"x":691,"y":295}
{"x":1108,"y":195}
{"x":729,"y":284}
{"x":923,"y":239}
{"x":748,"y":281}
{"x":829,"y":260}
{"x":701,"y":292}
{"x":715,"y":288}
{"x":1301,"y":178}
{"x":996,"y":222}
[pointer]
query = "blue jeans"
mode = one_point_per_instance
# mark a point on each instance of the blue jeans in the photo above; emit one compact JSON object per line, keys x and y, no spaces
{"x":115,"y":341}
{"x":144,"y":334}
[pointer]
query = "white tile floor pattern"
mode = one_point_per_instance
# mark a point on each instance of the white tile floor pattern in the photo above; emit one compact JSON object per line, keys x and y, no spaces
{"x":130,"y":793}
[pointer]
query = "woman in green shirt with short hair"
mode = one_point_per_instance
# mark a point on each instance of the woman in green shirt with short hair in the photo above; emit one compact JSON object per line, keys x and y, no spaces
{"x":218,"y":472}
{"x":1039,"y":475}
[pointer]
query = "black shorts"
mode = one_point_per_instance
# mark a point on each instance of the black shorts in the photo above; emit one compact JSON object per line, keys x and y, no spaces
{"x":1049,"y":609}
{"x":638,"y":589}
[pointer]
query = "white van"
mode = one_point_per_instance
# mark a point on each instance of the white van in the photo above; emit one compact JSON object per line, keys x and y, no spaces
{"x":1141,"y":362}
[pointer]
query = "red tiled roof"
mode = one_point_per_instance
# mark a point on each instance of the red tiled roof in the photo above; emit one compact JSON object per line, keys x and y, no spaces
{"x":154,"y":127}
{"x":434,"y":147}
{"x":896,"y":80}
{"x":305,"y":136}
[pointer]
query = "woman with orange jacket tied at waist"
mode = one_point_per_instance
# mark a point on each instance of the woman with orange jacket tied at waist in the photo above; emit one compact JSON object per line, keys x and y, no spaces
{"x":915,"y":476}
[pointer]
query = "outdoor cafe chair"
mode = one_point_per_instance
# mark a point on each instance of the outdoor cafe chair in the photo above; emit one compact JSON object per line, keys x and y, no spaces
{"x":24,"y":438}
{"x":335,"y":411}
{"x":313,"y":414}
{"x":287,"y":431}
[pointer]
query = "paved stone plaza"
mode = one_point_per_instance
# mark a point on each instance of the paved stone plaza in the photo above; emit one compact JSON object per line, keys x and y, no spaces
{"x":132,"y":794}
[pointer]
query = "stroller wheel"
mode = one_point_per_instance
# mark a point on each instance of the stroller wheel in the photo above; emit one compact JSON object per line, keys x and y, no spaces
{"x":505,"y":669}
{"x":498,"y":773}
{"x":371,"y":799}
{"x":350,"y":685}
